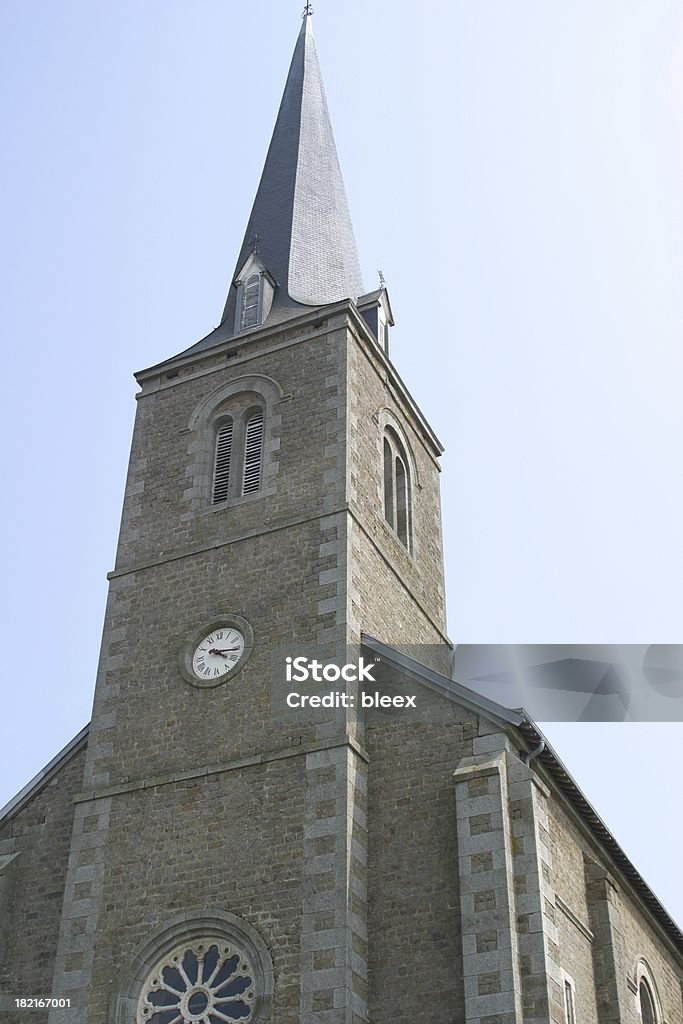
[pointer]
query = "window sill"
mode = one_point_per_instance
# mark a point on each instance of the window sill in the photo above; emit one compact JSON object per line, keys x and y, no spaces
{"x":390,"y":532}
{"x":243,"y":499}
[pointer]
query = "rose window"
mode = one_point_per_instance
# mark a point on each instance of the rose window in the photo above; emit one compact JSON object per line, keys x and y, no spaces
{"x":205,"y":982}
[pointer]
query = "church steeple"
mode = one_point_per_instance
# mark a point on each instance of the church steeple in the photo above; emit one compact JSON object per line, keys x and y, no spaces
{"x":300,"y":229}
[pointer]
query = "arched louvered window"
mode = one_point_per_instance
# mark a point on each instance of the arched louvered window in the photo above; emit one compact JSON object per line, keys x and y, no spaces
{"x":236,"y":446}
{"x":253,"y":453}
{"x":397,"y":511}
{"x":222,"y":458}
{"x":251,"y":298}
{"x":647,"y":1006}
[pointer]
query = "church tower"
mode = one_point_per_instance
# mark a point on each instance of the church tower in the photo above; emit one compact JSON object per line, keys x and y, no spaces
{"x":208,"y":852}
{"x":282,"y":495}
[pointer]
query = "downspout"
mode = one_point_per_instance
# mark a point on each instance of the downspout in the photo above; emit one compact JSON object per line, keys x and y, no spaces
{"x":531,"y":754}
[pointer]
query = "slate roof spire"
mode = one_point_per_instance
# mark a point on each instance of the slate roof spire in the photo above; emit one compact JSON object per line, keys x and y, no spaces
{"x":300,"y":215}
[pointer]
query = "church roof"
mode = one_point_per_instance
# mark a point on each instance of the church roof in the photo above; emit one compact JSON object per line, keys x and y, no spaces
{"x":300,"y":225}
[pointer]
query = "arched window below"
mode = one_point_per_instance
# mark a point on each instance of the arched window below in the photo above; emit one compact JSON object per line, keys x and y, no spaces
{"x":196,"y":968}
{"x":396,"y":478}
{"x":401,"y":501}
{"x":647,"y":1006}
{"x":202,"y":979}
{"x":569,"y":1010}
{"x":388,"y":483}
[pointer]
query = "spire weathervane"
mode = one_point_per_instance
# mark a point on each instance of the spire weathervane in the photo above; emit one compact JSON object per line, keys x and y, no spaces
{"x":308,"y":10}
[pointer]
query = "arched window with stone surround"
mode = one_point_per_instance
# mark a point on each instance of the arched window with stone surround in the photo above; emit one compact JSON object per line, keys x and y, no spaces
{"x":205,"y":968}
{"x":647,"y":1004}
{"x":234,"y":443}
{"x":203,"y":980}
{"x":397,"y":489}
{"x":647,"y":997}
{"x":237,"y":452}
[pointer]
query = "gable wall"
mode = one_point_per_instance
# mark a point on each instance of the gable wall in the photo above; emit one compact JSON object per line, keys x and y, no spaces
{"x":40,"y":833}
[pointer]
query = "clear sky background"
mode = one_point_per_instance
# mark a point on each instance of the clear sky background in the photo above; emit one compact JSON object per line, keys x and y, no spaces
{"x":514,"y":169}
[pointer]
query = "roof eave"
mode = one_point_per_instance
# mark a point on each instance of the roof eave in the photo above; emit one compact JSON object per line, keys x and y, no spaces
{"x":192,"y":354}
{"x":40,"y":780}
{"x":571,"y":791}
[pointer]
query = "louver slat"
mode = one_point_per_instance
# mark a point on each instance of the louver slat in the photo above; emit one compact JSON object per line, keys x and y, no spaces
{"x":253,"y":446}
{"x":221,"y":473}
{"x":251,"y":301}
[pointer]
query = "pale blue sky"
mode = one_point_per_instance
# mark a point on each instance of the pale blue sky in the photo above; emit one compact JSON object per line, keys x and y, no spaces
{"x":516,"y":172}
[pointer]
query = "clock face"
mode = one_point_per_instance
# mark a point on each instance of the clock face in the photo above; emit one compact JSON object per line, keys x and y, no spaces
{"x":218,"y":653}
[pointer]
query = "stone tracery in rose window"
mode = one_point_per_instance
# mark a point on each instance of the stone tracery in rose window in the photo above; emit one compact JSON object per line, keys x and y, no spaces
{"x":204,"y":982}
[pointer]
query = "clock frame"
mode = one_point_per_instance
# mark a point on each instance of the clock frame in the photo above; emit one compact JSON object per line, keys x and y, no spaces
{"x":226,"y":620}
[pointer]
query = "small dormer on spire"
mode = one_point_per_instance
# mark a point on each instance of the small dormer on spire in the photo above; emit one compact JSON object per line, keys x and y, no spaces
{"x":375,"y":309}
{"x":255,"y":290}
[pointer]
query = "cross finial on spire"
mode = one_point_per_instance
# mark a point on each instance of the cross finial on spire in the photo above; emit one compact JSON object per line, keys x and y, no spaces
{"x":255,"y":244}
{"x":382,"y":280}
{"x":308,"y":10}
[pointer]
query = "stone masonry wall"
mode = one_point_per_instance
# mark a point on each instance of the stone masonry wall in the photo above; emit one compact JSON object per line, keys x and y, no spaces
{"x":163,"y":515}
{"x":148,"y":720}
{"x":383,"y":605}
{"x":414,"y":934}
{"x":232,"y":841}
{"x":38,"y":836}
{"x":622,"y":933}
{"x":408,"y":586}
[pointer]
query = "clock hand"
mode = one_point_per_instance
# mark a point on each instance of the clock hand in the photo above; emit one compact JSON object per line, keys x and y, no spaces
{"x":223,"y":650}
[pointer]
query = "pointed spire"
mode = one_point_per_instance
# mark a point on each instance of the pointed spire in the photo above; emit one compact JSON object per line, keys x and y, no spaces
{"x":300,"y":215}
